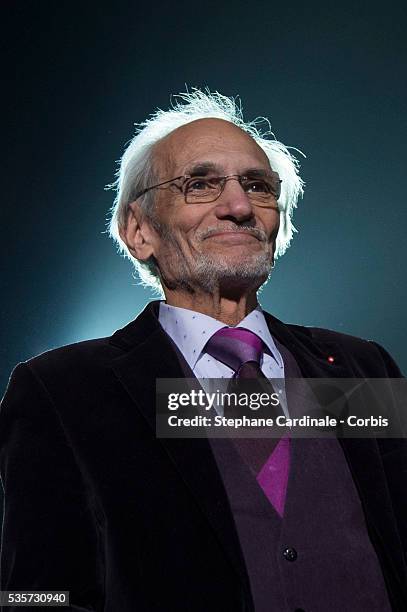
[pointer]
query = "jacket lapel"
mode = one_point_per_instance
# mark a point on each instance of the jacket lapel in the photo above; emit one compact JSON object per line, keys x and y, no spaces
{"x":150,"y":355}
{"x":315,"y":359}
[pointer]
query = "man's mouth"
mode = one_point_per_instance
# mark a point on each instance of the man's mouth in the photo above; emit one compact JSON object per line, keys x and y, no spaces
{"x":232,"y":237}
{"x":235,"y":235}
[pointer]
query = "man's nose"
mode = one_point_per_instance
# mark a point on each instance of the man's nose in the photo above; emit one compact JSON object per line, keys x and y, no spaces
{"x":234,"y":202}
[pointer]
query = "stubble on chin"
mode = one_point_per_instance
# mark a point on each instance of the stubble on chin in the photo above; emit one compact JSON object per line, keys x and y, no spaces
{"x":208,"y":272}
{"x":213,"y":272}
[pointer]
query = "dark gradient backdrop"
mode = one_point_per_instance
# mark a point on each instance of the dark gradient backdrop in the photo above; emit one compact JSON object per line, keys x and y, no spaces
{"x":331,"y":77}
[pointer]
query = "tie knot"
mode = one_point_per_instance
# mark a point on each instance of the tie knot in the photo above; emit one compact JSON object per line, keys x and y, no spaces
{"x":235,"y":346}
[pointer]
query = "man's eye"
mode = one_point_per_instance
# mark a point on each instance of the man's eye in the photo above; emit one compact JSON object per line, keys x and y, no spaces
{"x":257,"y":187}
{"x":199,"y":184}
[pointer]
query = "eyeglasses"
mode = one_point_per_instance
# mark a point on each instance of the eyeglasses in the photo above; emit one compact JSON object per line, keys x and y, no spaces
{"x":262,"y":191}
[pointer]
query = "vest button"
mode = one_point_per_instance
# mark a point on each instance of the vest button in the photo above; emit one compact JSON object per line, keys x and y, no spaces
{"x":290,"y":554}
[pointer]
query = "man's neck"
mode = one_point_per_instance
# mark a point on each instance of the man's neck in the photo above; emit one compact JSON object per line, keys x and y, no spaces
{"x":230,"y":310}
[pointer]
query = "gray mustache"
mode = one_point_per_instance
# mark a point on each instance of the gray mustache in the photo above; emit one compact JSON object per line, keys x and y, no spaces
{"x":254,"y":231}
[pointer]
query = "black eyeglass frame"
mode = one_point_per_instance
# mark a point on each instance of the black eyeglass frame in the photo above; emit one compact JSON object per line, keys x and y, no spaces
{"x":222,"y":179}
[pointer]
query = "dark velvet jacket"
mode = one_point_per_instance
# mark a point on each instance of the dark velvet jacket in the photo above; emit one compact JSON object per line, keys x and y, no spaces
{"x":96,"y":505}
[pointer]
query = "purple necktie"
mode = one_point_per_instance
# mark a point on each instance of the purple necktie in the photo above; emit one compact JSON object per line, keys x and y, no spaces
{"x":241,"y":350}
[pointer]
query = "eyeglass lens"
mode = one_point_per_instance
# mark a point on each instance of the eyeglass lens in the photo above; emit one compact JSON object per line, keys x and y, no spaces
{"x":207,"y":189}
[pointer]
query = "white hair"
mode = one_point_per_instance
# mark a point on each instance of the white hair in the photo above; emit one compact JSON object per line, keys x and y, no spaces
{"x":136,"y":171}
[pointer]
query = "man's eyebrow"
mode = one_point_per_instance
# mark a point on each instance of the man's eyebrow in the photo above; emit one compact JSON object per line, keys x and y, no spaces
{"x":203,"y":168}
{"x":256,"y":172}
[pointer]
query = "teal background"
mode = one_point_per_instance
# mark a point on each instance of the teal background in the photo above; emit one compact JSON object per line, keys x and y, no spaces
{"x":331,"y":78}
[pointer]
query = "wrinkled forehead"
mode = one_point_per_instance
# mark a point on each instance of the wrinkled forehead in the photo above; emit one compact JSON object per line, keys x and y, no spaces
{"x":208,"y":140}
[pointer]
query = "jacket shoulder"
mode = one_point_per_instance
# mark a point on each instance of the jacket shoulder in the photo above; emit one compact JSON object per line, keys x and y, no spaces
{"x":356,"y":348}
{"x":321,"y":334}
{"x":79,"y":360}
{"x":67,"y":375}
{"x":97,"y":349}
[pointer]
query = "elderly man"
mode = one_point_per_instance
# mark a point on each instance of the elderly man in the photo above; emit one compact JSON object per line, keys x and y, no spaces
{"x":97,"y":505}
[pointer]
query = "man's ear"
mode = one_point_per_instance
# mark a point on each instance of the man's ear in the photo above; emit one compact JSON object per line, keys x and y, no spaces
{"x":137,"y":234}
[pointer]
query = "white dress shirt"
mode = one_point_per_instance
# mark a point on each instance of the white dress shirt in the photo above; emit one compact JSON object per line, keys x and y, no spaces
{"x":191,"y":330}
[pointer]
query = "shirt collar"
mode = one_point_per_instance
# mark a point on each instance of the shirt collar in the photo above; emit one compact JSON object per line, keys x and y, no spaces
{"x":191,"y":330}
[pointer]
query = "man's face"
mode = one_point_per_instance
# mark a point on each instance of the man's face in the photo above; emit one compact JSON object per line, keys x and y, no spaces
{"x":226,"y":243}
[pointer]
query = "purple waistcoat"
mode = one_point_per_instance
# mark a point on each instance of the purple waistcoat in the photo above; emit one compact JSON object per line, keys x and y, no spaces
{"x":318,"y":557}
